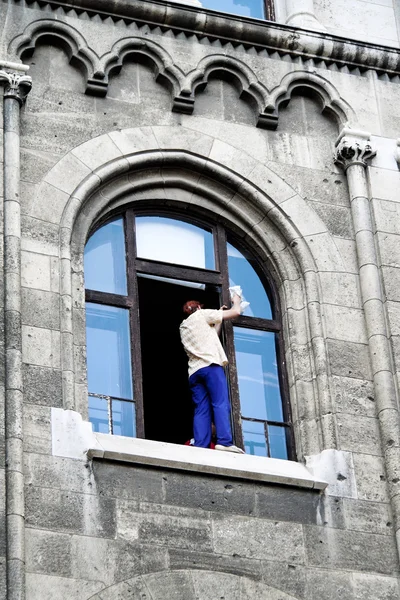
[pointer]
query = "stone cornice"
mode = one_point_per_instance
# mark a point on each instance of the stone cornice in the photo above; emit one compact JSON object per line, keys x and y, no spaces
{"x":244,"y":31}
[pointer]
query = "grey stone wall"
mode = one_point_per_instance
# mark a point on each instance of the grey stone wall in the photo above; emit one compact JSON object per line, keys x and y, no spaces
{"x":106,"y":530}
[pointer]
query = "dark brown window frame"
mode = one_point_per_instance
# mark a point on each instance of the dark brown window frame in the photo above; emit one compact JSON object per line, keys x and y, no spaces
{"x":218,"y":277}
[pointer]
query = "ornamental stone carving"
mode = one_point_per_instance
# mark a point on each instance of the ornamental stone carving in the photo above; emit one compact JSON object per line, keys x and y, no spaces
{"x":353,"y":148}
{"x":16,"y":85}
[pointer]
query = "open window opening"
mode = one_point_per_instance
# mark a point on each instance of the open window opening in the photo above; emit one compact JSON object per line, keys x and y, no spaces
{"x":140,"y":268}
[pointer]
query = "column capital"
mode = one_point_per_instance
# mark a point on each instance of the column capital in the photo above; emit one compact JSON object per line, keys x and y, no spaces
{"x":353,"y":147}
{"x":16,"y":85}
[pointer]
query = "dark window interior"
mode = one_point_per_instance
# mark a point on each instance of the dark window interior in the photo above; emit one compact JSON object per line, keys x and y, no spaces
{"x":167,"y":403}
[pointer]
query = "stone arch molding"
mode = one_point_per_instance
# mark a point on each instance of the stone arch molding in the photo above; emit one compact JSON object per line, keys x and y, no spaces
{"x":191,"y":584}
{"x":183,"y":86}
{"x":143,"y":164}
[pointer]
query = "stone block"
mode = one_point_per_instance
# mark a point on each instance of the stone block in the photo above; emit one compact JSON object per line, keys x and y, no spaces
{"x":42,"y":385}
{"x":177,"y":585}
{"x":393,"y":309}
{"x":48,"y":203}
{"x":344,"y":323}
{"x":350,"y":550}
{"x":39,"y":236}
{"x":370,"y":477}
{"x":213,"y":494}
{"x":3,"y":590}
{"x":289,"y":578}
{"x":391,"y":282}
{"x":359,"y":434}
{"x":134,"y":139}
{"x":48,"y":587}
{"x":38,"y":272}
{"x":389,"y":249}
{"x":134,"y":589}
{"x":372,"y":517}
{"x":212,"y":561}
{"x":325,"y":252}
{"x":221,"y":585}
{"x":96,"y":152}
{"x":353,"y":396}
{"x":386,"y":216}
{"x":35,"y":164}
{"x":70,"y":512}
{"x":337,"y":219}
{"x":40,"y":308}
{"x":60,"y":474}
{"x":384,"y":183}
{"x":375,"y":586}
{"x":164,"y":526}
{"x":348,"y":252}
{"x":111,"y":561}
{"x":258,"y":538}
{"x":341,"y":289}
{"x":220,"y":101}
{"x":128,"y":482}
{"x":285,"y":504}
{"x":41,"y":346}
{"x":328,"y":585}
{"x":348,"y":359}
{"x":37,"y":431}
{"x":48,"y":552}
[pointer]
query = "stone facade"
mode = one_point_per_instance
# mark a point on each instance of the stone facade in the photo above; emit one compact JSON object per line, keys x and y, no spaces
{"x":287,"y":131}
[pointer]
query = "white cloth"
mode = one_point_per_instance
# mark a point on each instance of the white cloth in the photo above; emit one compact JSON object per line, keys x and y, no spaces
{"x":200,"y":339}
{"x":236,"y":290}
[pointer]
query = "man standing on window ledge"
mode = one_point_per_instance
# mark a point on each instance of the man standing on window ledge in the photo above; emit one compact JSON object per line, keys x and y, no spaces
{"x":207,"y":381}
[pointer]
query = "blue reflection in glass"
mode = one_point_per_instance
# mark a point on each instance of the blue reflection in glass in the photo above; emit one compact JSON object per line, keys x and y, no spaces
{"x":98,"y":414}
{"x":123,"y":418}
{"x":242,"y":273}
{"x":108,"y":351}
{"x":173,"y":241}
{"x":254,"y":438}
{"x":246,"y":8}
{"x":277,"y":442}
{"x":105,"y":267}
{"x":257,"y":371}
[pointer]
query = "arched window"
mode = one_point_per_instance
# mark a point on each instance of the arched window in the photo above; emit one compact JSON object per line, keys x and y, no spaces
{"x":140,"y":268}
{"x":258,"y":9}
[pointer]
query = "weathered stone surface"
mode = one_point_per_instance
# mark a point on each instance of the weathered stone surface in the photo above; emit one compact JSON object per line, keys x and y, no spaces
{"x":246,"y":536}
{"x":359,"y":434}
{"x":164,"y":526}
{"x":212,"y":561}
{"x":69,"y":512}
{"x":210,"y":494}
{"x":372,"y":517}
{"x":42,"y":385}
{"x":370,"y":477}
{"x":349,"y":359}
{"x":44,"y":587}
{"x":354,"y":396}
{"x":40,"y":309}
{"x":336,"y":549}
{"x":37,"y":433}
{"x":48,"y":552}
{"x":128,"y":482}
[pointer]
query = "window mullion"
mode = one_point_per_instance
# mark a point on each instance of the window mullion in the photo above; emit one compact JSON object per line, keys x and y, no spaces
{"x":133,"y":294}
{"x":229,"y":343}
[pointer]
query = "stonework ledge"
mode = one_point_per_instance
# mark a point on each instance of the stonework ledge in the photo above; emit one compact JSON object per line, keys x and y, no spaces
{"x":73,"y":438}
{"x":284,"y":39}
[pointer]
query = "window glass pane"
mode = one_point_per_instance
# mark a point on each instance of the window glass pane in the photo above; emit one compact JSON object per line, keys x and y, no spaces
{"x":242,"y":273}
{"x":254,"y":438}
{"x":98,"y":414}
{"x":172,"y":241}
{"x":277,"y":442}
{"x":246,"y":8}
{"x":123,"y":418}
{"x":108,"y":351}
{"x":257,"y":372}
{"x":105,"y":268}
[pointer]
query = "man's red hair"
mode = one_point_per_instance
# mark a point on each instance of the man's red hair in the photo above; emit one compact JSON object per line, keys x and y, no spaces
{"x":191,"y":306}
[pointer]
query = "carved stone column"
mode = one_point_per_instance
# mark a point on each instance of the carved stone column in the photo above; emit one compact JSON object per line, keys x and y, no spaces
{"x":353,"y":150}
{"x":16,"y":87}
{"x":300,"y":13}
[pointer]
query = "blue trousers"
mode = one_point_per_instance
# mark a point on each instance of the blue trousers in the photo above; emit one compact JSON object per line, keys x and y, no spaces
{"x":210,"y":396}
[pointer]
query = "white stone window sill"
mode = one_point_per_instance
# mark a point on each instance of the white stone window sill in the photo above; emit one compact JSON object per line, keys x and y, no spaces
{"x":73,"y":438}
